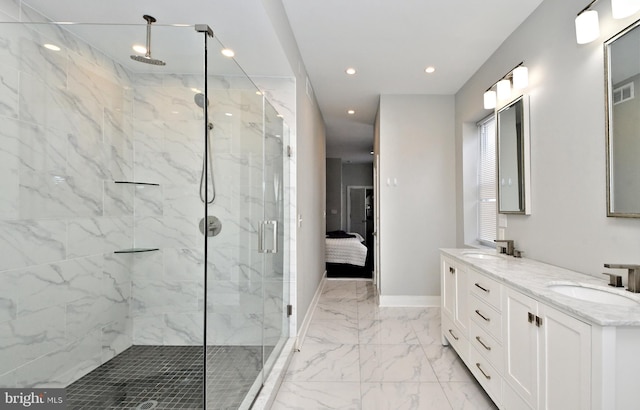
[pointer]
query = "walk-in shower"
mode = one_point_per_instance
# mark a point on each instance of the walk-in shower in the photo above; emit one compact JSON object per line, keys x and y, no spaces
{"x":109,"y":289}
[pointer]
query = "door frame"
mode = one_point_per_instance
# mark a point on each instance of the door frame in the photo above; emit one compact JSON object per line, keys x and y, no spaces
{"x":349,"y":188}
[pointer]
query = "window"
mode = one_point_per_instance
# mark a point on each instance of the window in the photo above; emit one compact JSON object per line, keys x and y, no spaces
{"x":487,"y":212}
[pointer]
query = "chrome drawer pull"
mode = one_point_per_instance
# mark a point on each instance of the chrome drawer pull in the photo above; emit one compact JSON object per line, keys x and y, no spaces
{"x":482,"y":316}
{"x":486,"y":290}
{"x":482,"y":343}
{"x":482,"y":371}
{"x":454,"y":336}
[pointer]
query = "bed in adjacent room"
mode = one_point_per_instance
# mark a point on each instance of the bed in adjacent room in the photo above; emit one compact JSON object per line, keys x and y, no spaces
{"x":346,"y":255}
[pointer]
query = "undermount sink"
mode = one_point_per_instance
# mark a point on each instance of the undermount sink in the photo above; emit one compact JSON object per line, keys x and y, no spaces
{"x":593,"y":294}
{"x":480,"y":255}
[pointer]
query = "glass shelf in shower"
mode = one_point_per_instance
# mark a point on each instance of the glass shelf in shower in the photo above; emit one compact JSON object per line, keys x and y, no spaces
{"x":136,"y":250}
{"x":136,"y":183}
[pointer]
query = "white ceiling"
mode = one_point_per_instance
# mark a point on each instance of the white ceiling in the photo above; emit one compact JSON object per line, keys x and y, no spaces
{"x":389,"y":42}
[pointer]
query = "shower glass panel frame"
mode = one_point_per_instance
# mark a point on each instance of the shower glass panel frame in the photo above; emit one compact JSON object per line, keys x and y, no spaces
{"x":103,"y":265}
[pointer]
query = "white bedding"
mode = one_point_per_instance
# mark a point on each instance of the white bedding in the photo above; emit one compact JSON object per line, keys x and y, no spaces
{"x":346,"y":250}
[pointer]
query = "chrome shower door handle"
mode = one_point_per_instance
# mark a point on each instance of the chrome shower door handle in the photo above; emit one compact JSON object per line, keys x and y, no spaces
{"x":261,"y":237}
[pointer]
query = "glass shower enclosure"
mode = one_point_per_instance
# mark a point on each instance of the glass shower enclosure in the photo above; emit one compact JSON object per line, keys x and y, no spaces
{"x":141,"y":218}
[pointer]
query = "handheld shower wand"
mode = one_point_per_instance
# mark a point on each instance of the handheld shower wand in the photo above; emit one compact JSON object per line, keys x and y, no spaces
{"x":200,"y":101}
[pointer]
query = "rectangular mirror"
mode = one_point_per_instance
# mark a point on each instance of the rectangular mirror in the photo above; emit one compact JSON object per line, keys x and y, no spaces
{"x":513,"y":157}
{"x":622,"y":74}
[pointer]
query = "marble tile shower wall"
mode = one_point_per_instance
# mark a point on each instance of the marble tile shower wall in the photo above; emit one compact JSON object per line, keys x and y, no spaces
{"x":65,"y":137}
{"x":168,"y":293}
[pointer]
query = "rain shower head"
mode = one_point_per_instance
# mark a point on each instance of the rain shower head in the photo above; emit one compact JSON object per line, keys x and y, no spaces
{"x":199,"y":100}
{"x":147,"y":57}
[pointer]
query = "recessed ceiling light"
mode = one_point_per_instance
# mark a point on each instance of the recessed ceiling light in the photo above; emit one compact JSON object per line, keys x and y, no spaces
{"x":351,"y":112}
{"x":227,"y":52}
{"x":350,"y":71}
{"x":139,"y":49}
{"x":371,"y":153}
{"x":429,"y":70}
{"x":228,"y":114}
{"x":52,"y":47}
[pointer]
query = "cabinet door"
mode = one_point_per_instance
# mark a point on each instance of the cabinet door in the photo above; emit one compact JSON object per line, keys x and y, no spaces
{"x":448,"y":288}
{"x":462,"y":300}
{"x":521,"y":345}
{"x":565,"y":361}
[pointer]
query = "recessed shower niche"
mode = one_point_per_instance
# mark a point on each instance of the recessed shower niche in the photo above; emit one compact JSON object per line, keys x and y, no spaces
{"x":109,"y":288}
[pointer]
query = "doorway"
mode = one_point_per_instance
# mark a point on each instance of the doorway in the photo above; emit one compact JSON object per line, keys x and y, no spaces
{"x":360,"y":211}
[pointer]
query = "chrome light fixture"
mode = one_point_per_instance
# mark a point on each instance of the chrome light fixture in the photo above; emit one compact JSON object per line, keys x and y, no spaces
{"x":520,"y":77}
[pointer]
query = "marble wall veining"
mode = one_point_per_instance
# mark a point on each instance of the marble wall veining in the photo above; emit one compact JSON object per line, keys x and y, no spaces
{"x":65,"y":136}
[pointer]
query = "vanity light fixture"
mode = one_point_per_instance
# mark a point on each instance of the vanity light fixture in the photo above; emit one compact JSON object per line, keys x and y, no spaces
{"x":350,"y":71}
{"x":227,"y":52}
{"x":490,"y":99}
{"x":504,"y":89}
{"x":520,"y":77}
{"x":587,"y":25}
{"x":624,"y":8}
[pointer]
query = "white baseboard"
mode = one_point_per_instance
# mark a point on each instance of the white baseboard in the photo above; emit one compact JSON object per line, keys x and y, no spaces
{"x":302,"y":333}
{"x":409,"y":301}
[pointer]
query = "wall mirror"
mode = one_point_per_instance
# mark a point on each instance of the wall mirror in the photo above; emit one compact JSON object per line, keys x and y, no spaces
{"x":622,"y":76}
{"x":513,"y":157}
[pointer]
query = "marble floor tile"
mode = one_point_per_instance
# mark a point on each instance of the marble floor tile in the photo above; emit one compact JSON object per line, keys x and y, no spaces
{"x":446,"y":364}
{"x":467,"y":396}
{"x":325,"y":362}
{"x":428,"y":327}
{"x":339,"y":290}
{"x":357,"y":355}
{"x":409,"y":396}
{"x":395,"y":363}
{"x":389,"y":331}
{"x":338,"y":331}
{"x":336,"y":309}
{"x":318,"y":395}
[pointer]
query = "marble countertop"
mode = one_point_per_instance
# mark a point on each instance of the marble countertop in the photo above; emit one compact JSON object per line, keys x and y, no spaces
{"x":532,"y":278}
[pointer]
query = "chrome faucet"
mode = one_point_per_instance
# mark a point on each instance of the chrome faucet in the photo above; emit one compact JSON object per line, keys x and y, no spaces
{"x":633,"y":283}
{"x":508,"y":247}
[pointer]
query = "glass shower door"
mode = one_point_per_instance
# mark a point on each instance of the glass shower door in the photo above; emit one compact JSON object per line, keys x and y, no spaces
{"x":276,"y":323}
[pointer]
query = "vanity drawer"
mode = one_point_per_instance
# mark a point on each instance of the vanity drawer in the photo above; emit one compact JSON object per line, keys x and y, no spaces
{"x":486,"y":289}
{"x":486,"y":317}
{"x":455,"y":337}
{"x":487,"y":375}
{"x":487,"y":345}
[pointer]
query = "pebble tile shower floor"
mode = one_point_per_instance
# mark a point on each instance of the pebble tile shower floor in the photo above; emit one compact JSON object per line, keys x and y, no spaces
{"x":169,"y":377}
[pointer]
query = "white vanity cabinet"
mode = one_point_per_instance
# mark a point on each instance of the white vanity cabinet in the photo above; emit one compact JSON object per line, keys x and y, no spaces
{"x":455,"y":315}
{"x":547,"y":356}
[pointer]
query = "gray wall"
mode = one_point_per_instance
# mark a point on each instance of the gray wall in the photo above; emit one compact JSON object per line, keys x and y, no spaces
{"x":568,"y":226}
{"x":334,"y":194}
{"x":417,"y":195}
{"x":310,"y":182}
